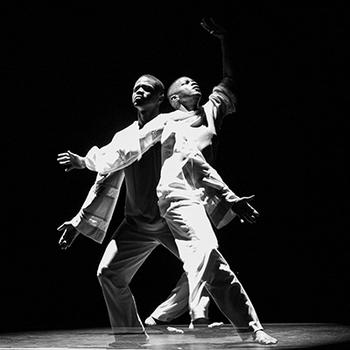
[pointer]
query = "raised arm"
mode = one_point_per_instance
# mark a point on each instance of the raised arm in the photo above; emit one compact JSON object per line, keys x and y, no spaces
{"x":226,"y":47}
{"x":223,"y":99}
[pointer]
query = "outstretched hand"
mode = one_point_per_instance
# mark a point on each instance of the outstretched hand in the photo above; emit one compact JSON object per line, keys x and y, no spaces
{"x":245,"y":212}
{"x":71,"y":161}
{"x":212,"y":27}
{"x":70,"y":233}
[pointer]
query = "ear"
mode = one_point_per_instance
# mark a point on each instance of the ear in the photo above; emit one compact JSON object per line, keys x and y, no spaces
{"x":175,"y":101}
{"x":161,"y":98}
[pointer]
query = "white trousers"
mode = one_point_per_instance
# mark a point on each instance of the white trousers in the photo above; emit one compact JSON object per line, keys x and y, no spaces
{"x":206,"y":267}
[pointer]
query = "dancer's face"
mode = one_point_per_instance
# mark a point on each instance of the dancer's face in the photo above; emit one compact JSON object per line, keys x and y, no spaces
{"x":145,"y":93}
{"x":186,"y":91}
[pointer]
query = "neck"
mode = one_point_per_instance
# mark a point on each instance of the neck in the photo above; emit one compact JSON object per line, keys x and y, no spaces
{"x":145,"y":115}
{"x":189,"y":103}
{"x":189,"y":108}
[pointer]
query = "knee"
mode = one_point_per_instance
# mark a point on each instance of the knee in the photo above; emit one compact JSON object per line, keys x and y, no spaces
{"x":222,"y":275}
{"x":105,"y":276}
{"x":108,"y":276}
{"x":219,"y":271}
{"x":101,"y":271}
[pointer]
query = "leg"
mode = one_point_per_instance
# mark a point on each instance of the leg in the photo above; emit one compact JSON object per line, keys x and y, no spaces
{"x":206,"y":267}
{"x":233,"y":301}
{"x":122,"y":258}
{"x":229,"y":294}
{"x":194,"y":242}
{"x":174,"y":306}
{"x":176,"y":303}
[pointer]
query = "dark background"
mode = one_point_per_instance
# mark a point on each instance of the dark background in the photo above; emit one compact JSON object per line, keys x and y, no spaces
{"x":67,"y":80}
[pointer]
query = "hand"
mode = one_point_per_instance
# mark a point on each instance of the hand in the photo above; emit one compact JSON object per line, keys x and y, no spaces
{"x":71,"y":161}
{"x":212,"y":27}
{"x":69,"y":235}
{"x":244,"y":210}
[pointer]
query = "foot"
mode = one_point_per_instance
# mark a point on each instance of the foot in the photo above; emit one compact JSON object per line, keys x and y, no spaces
{"x":215,"y":325}
{"x":151,"y":322}
{"x":263,"y":338}
{"x":175,"y":330}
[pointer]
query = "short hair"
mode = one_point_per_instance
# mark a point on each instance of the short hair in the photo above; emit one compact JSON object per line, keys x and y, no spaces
{"x":159,"y":86}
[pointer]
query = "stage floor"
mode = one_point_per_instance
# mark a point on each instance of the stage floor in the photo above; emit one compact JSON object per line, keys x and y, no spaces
{"x":290,"y":336}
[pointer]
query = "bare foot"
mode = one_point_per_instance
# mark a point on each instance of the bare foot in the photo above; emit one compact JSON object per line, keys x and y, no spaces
{"x":175,"y":330}
{"x":215,"y":325}
{"x":263,"y":338}
{"x":150,"y":321}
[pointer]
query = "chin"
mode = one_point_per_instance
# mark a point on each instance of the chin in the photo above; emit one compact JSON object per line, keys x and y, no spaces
{"x":138,"y":103}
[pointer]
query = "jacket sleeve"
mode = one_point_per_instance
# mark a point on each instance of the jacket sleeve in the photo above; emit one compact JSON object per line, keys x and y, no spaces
{"x":123,"y":150}
{"x":126,"y":147}
{"x":95,"y":215}
{"x":222,"y":101}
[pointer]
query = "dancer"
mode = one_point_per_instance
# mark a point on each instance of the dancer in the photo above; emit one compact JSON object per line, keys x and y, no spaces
{"x":142,"y":229}
{"x":184,"y":198}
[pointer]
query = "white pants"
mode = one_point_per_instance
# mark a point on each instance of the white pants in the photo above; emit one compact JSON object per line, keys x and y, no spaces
{"x":206,"y":267}
{"x":176,"y":303}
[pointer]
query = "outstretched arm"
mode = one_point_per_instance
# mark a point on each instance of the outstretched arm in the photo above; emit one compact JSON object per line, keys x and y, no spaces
{"x":119,"y":153}
{"x":127,"y":146}
{"x":214,"y":185}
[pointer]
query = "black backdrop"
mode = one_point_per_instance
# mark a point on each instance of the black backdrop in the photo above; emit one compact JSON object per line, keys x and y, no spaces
{"x":68,"y":75}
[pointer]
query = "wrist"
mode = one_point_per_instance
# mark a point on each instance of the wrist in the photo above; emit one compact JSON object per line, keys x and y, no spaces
{"x":82,"y":162}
